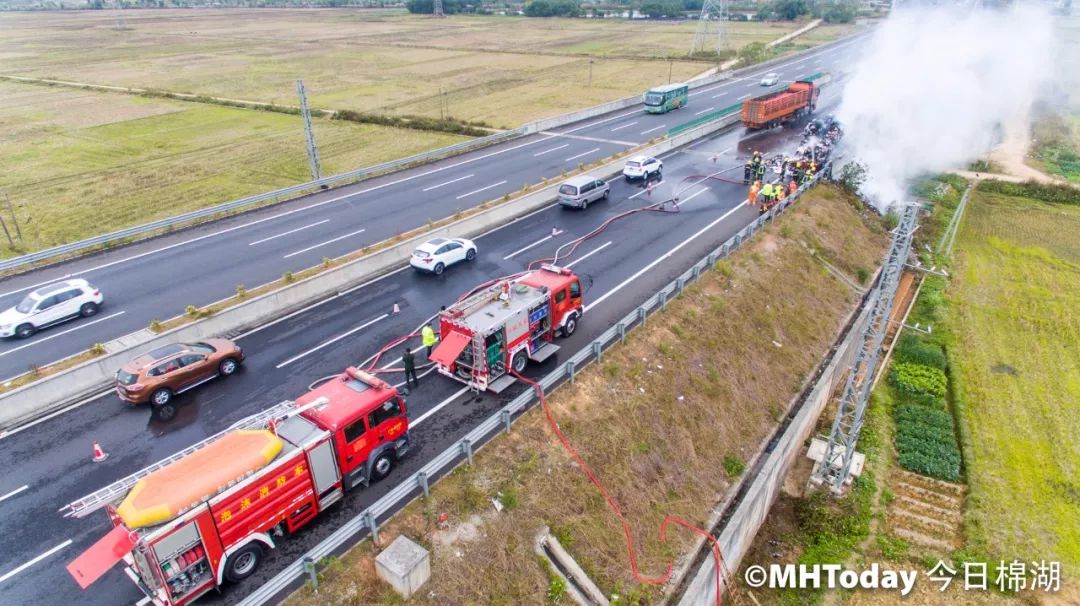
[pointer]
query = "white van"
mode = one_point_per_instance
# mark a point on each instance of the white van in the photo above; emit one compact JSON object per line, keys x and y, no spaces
{"x":577,"y":192}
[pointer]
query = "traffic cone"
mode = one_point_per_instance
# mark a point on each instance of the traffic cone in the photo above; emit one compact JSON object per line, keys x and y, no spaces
{"x":555,"y":231}
{"x":649,"y":188}
{"x":397,"y":309}
{"x":99,"y":454}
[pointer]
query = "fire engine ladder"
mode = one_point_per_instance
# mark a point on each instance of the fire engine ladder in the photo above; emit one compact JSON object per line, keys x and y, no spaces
{"x":117,"y":490}
{"x":478,"y":300}
{"x":479,"y":356}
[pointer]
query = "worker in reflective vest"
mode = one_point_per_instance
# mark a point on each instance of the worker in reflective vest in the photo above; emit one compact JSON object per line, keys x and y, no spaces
{"x":751,"y":198}
{"x":427,"y":334}
{"x":792,"y":187}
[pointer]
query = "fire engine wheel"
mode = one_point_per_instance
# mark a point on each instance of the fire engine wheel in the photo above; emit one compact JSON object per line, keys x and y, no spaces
{"x":161,"y":397}
{"x":243,"y":563}
{"x":439,"y":267}
{"x":519,"y":362}
{"x":382,"y":466}
{"x":570,"y":326}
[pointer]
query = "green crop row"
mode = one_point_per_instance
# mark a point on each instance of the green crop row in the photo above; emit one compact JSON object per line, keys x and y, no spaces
{"x":918,"y":379}
{"x":926,"y":441}
{"x":914,"y":349}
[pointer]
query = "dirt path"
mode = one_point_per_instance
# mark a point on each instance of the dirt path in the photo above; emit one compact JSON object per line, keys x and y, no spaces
{"x":1010,"y":155}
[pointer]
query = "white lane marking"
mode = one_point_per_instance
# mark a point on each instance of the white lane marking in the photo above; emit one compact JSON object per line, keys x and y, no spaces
{"x":576,"y":261}
{"x":448,"y":182}
{"x":644,"y":191}
{"x":551,"y":150}
{"x":476,"y":191}
{"x":521,"y":250}
{"x":13,"y":493}
{"x":746,"y":96}
{"x":624,"y":126}
{"x":143,"y":602}
{"x":596,"y":139}
{"x":691,"y":197}
{"x":705,"y":111}
{"x":314,"y":246}
{"x":64,"y":410}
{"x":41,"y":557}
{"x":285,"y":233}
{"x":278,"y":216}
{"x":720,"y":95}
{"x":571,"y":158}
{"x":660,"y":259}
{"x":332,"y":341}
{"x":645,"y":132}
{"x":60,"y":334}
{"x":438,"y":407}
{"x":599,"y":122}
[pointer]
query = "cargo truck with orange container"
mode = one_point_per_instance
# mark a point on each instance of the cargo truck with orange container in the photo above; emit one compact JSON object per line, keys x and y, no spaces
{"x":206,"y":515}
{"x":773,"y":109}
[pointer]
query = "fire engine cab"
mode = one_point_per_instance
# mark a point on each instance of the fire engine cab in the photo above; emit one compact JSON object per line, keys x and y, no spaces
{"x":505,"y":325}
{"x":207,"y":514}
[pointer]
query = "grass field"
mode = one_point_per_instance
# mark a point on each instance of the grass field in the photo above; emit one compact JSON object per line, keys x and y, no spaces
{"x":668,"y":421}
{"x":1015,"y":307}
{"x":79,"y":163}
{"x":502,"y":70}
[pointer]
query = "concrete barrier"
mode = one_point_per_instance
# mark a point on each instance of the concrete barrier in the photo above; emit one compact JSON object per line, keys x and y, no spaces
{"x":81,"y":381}
{"x":742,"y":526}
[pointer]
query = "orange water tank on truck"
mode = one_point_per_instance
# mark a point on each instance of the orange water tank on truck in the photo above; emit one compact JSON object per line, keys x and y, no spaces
{"x":773,"y":109}
{"x":208,"y":514}
{"x":503,"y":326}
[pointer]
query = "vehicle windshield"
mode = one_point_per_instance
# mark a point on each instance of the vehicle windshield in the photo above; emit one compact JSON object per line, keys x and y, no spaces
{"x":203,"y":348}
{"x":653,"y":99}
{"x":125,"y":378}
{"x":26,"y":305}
{"x":569,"y":190}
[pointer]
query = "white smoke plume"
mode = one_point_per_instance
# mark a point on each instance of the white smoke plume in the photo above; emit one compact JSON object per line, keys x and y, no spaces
{"x":934,"y":84}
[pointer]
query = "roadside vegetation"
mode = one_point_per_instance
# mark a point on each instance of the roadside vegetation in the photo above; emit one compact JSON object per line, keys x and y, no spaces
{"x":670,"y":420}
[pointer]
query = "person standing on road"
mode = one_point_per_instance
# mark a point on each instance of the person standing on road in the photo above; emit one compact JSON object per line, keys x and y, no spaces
{"x":409,"y":361}
{"x":751,"y":197}
{"x":427,"y":334}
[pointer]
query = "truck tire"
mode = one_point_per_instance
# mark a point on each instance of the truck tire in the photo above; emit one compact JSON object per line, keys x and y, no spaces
{"x":570,"y":326}
{"x":243,"y":563}
{"x":518,"y":362}
{"x":382,"y":466}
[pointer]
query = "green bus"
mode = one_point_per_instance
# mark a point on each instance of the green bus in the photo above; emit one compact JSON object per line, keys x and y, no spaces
{"x":663,"y":99}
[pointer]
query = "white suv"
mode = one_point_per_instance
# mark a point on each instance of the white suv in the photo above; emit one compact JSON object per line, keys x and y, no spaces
{"x":641,"y":167}
{"x":50,"y":305}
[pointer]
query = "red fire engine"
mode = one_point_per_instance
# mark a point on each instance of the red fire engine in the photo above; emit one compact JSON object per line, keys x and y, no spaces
{"x":507,"y":324}
{"x":205,"y":515}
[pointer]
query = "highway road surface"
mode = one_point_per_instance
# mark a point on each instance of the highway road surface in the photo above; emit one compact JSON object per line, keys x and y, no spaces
{"x":49,"y":462}
{"x":159,"y":278}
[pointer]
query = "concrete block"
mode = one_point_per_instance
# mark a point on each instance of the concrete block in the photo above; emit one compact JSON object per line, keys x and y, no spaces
{"x":405,"y":565}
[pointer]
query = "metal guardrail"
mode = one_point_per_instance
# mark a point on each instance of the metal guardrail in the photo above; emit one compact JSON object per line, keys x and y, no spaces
{"x":145,"y":228}
{"x":463,"y":449}
{"x":704,"y":119}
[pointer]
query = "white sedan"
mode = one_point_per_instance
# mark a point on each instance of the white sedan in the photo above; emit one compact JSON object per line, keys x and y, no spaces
{"x":770,"y":79}
{"x":439,"y":253}
{"x":642,"y":167}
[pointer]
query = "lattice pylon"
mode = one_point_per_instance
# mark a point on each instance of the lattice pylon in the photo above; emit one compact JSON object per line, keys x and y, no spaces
{"x":438,"y":10}
{"x":710,"y":30}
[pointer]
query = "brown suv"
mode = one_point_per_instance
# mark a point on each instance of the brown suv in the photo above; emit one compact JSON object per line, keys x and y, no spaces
{"x":173,"y":369}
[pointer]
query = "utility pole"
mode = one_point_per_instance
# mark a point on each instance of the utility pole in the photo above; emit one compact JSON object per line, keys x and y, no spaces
{"x":670,"y":63}
{"x":590,"y":72}
{"x":312,"y":151}
{"x":11,"y":242}
{"x":14,"y":219}
{"x":710,"y":30}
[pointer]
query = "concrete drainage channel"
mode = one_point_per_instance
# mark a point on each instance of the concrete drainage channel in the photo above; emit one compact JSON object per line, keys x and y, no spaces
{"x":419,"y":484}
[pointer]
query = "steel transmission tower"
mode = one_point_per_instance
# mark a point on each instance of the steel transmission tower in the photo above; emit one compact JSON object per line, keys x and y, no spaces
{"x":710,"y":29}
{"x":312,"y":151}
{"x":835,"y":467}
{"x":437,"y":11}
